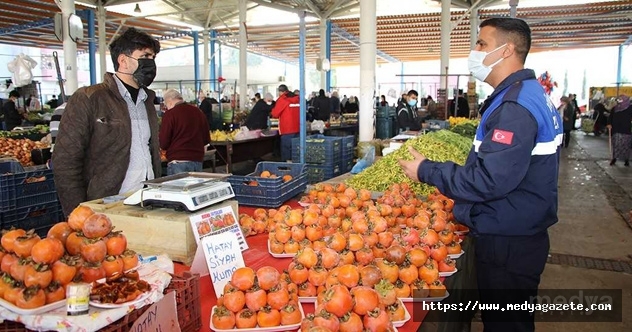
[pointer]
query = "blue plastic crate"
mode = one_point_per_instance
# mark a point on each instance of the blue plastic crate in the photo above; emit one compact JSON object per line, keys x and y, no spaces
{"x":321,"y":150}
{"x":348,"y":143}
{"x":289,"y":190}
{"x":40,"y":217}
{"x":348,"y":155}
{"x":319,"y":173}
{"x":32,"y":186}
{"x":346,"y":165}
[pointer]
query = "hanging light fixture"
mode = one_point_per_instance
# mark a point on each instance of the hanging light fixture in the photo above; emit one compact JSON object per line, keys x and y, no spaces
{"x":137,"y":9}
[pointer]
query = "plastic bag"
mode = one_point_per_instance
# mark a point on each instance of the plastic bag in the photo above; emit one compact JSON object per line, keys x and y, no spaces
{"x":21,"y":67}
{"x":318,"y":125}
{"x":244,"y":133}
{"x":366,"y":161}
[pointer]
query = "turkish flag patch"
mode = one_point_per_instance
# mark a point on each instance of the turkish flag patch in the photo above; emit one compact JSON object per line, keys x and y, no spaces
{"x":502,"y":136}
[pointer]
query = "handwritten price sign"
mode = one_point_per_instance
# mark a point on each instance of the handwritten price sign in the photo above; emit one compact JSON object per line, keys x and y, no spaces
{"x":223,"y":257}
{"x":161,"y":316}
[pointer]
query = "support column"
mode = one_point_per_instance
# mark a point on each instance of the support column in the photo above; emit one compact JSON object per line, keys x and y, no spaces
{"x":214,"y":85}
{"x":101,"y":16}
{"x":92,"y":48}
{"x":70,"y":49}
{"x":619,"y":59}
{"x":196,"y":61}
{"x":323,"y":52}
{"x":368,"y":57}
{"x":513,"y":4}
{"x":301,"y":79}
{"x":243,"y":56}
{"x":401,"y":80}
{"x":328,"y":55}
{"x":473,"y":33}
{"x":205,"y":70}
{"x":446,"y":27}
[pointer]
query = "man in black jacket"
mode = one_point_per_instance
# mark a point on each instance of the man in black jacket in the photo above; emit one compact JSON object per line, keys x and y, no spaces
{"x":206,"y":107}
{"x":407,"y":117}
{"x":12,"y":117}
{"x":322,"y":106}
{"x":259,"y":114}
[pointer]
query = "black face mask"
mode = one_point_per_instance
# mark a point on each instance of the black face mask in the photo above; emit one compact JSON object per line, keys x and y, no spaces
{"x":146,"y":72}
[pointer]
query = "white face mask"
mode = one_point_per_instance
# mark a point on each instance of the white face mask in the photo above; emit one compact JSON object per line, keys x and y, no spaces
{"x":475,"y":63}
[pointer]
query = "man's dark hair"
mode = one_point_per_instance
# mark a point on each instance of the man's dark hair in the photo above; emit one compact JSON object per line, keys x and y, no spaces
{"x":321,"y":93}
{"x":512,"y":30}
{"x":258,"y":95}
{"x":413,"y":93}
{"x":130,"y":41}
{"x":282,"y":88}
{"x":14,"y":93}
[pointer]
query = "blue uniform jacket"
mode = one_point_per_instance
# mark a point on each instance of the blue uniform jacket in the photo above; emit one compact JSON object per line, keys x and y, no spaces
{"x":508,"y":185}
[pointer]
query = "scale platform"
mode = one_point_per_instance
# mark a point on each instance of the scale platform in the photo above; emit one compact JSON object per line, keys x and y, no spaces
{"x":190,"y":192}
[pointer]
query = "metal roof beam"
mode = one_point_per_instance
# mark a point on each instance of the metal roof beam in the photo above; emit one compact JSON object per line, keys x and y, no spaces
{"x":282,"y":7}
{"x":331,"y":9}
{"x":26,"y":26}
{"x":342,"y":33}
{"x":183,"y":11}
{"x":313,"y":8}
{"x":343,"y":10}
{"x":627,"y":41}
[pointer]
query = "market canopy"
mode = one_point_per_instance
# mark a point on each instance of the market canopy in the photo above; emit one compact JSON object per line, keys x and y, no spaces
{"x":400,"y":37}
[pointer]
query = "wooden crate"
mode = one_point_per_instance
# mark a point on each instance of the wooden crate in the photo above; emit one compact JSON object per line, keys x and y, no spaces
{"x":156,"y":231}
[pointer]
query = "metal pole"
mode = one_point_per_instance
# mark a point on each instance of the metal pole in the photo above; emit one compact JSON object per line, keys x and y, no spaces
{"x":473,"y":33}
{"x":323,"y":52}
{"x":214,"y":85}
{"x":368,"y":57}
{"x":445,"y":41}
{"x":92,"y":48}
{"x":219,"y":84}
{"x":513,"y":4}
{"x":301,"y":74}
{"x":328,"y":55}
{"x":102,"y":39}
{"x":619,"y":60}
{"x":205,"y":70}
{"x":243,"y":56}
{"x":196,"y":61}
{"x":70,"y":49}
{"x":401,"y":79}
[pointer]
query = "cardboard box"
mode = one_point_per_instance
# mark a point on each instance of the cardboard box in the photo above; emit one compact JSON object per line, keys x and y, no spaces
{"x":156,"y":231}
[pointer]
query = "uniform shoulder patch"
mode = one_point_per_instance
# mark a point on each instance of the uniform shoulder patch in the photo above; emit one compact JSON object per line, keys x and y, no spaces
{"x":502,"y":136}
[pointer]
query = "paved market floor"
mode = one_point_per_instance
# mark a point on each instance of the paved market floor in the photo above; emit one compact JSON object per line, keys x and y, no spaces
{"x":591,"y":245}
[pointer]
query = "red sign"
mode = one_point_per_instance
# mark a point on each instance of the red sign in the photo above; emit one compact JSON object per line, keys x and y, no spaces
{"x":502,"y":136}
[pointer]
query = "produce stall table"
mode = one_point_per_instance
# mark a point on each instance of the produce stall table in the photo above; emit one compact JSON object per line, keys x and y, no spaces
{"x":230,"y":152}
{"x":346,"y":129}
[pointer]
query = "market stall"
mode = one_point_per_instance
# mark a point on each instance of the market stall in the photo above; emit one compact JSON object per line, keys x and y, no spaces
{"x":230,"y":152}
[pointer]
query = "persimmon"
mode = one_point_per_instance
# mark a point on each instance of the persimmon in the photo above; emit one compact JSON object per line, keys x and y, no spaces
{"x":349,"y":275}
{"x":351,"y":322}
{"x":97,"y":225}
{"x":395,"y":254}
{"x":329,"y":258}
{"x":386,"y":292}
{"x":268,"y":317}
{"x":429,"y":237}
{"x":47,"y":251}
{"x":6,"y":282}
{"x":396,"y":311}
{"x":402,"y":289}
{"x":306,"y":289}
{"x":347,"y":257}
{"x":78,"y":216}
{"x":437,"y":289}
{"x":54,"y":293}
{"x":287,"y":178}
{"x":370,"y":275}
{"x":18,"y":269}
{"x":31,"y":298}
{"x":9,"y":237}
{"x":90,"y":272}
{"x":439,"y":252}
{"x":116,"y":243}
{"x":93,"y":250}
{"x":317,"y":276}
{"x":365,"y":299}
{"x":355,"y":242}
{"x":60,"y":231}
{"x":307,"y":257}
{"x":428,"y":273}
{"x":337,"y":242}
{"x":419,"y":289}
{"x":447,"y":265}
{"x":23,"y":244}
{"x":8,"y":260}
{"x":12,"y":293}
{"x":298,"y":273}
{"x":223,"y":318}
{"x":243,"y":278}
{"x":64,"y":270}
{"x":278,"y":297}
{"x":73,"y":243}
{"x":325,"y":321}
{"x":454,"y":248}
{"x":291,"y":247}
{"x":417,"y":257}
{"x":282,"y":233}
{"x":276,"y":247}
{"x":364,"y":256}
{"x":37,"y":275}
{"x":408,"y":273}
{"x":314,"y":233}
{"x":112,"y":265}
{"x":256,"y":299}
{"x":268,"y":277}
{"x":234,"y":300}
{"x":246,"y":318}
{"x":291,"y":314}
{"x":390,"y":271}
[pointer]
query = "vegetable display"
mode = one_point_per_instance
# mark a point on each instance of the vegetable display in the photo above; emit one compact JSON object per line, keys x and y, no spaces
{"x":442,"y":145}
{"x":20,"y":149}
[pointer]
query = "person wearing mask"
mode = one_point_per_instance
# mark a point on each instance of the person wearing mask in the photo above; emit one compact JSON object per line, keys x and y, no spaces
{"x":407,"y":117}
{"x":619,"y":126}
{"x":506,"y":192}
{"x":335,"y":103}
{"x":566,"y":112}
{"x":259,"y":114}
{"x":207,"y":107}
{"x":287,"y":109}
{"x":108,"y":137}
{"x":183,"y":135}
{"x":431,"y":107}
{"x":12,"y":116}
{"x":322,"y":106}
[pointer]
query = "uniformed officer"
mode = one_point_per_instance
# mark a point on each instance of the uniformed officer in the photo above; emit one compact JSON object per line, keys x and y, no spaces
{"x":507,"y":190}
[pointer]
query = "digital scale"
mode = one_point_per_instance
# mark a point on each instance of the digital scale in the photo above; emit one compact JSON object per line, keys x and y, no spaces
{"x":190,"y":192}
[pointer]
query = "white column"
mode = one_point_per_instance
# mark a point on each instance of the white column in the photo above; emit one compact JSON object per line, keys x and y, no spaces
{"x":243,"y":53}
{"x":323,"y":50}
{"x":70,"y":49}
{"x":368,"y":57}
{"x":473,"y":32}
{"x":446,"y":27}
{"x":102,"y":37}
{"x":205,"y":67}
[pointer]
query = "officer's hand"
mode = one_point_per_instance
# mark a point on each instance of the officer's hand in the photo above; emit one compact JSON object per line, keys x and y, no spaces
{"x":609,"y":126}
{"x":410,"y":167}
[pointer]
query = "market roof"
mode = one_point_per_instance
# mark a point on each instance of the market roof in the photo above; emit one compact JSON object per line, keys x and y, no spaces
{"x":407,"y":37}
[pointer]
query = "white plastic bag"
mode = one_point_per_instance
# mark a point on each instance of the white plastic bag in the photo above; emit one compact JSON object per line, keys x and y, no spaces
{"x":21,"y":67}
{"x":318,"y":125}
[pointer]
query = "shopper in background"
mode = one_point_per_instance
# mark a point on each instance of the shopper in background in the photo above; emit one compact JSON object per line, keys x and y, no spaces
{"x":12,"y":116}
{"x":431,"y":106}
{"x":352,"y":105}
{"x":619,"y":126}
{"x":108,"y":137}
{"x":53,"y":103}
{"x":207,"y":107}
{"x":287,"y":109}
{"x":506,"y":192}
{"x":335,"y":103}
{"x":576,"y":110}
{"x":259,"y":114}
{"x":322,"y":106}
{"x":183,"y":135}
{"x":566,"y":110}
{"x":407,"y":117}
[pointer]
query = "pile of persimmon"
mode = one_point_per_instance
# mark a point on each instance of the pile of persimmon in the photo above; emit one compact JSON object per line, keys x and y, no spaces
{"x":35,"y":271}
{"x":261,"y":221}
{"x":256,"y":299}
{"x":357,"y":309}
{"x":337,"y":195}
{"x":269,"y":175}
